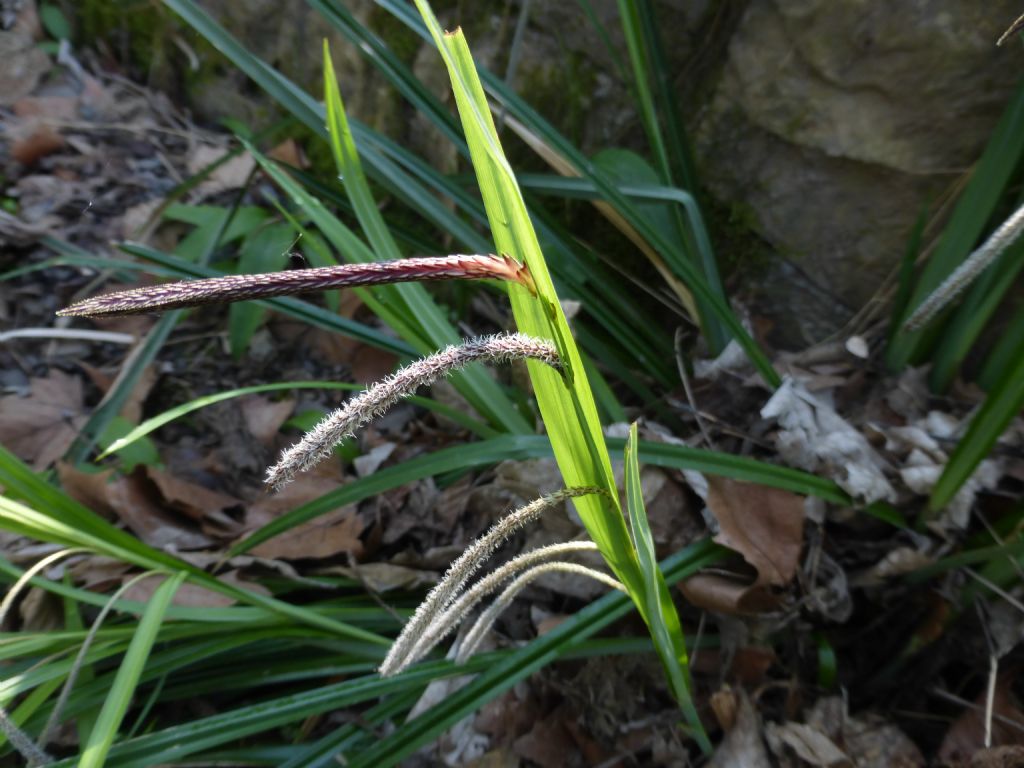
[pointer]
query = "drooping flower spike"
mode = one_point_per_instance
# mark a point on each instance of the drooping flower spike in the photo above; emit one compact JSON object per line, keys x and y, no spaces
{"x":460,"y":571}
{"x":374,"y":401}
{"x":193,"y":293}
{"x":961,"y":278}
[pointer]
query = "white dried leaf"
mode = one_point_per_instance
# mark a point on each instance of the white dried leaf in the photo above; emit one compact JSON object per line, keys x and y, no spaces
{"x":817,"y":439}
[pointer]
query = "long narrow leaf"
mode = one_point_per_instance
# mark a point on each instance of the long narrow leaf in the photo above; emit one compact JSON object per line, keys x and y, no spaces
{"x":94,"y":751}
{"x":663,"y":619}
{"x":1003,"y":403}
{"x":972,"y":213}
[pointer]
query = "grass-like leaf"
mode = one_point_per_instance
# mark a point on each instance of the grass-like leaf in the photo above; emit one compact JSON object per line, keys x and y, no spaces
{"x":1003,"y":403}
{"x":94,"y":751}
{"x":565,"y":399}
{"x":67,"y":522}
{"x":664,"y":619}
{"x":971,"y":215}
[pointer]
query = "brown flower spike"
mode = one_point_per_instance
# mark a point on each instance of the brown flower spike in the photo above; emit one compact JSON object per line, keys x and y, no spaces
{"x":193,"y":293}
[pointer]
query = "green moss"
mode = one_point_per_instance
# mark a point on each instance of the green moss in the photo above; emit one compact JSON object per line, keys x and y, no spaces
{"x":135,"y":31}
{"x":399,"y":39}
{"x":733,"y":230}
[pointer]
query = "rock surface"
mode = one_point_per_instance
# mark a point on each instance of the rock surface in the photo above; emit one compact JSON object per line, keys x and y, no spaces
{"x":834,"y":123}
{"x":825,"y":126}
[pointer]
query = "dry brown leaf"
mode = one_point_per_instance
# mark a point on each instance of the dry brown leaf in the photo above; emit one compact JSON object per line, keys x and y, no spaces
{"x":808,"y":743}
{"x":384,"y":577}
{"x":40,"y":611}
{"x":549,"y":743}
{"x":191,"y":595}
{"x":869,"y":741}
{"x":98,"y":573}
{"x":264,"y":417}
{"x":138,"y":503}
{"x":326,"y":536}
{"x":231,"y":174}
{"x":41,"y":427}
{"x":211,"y":509}
{"x":290,"y":153}
{"x":38,"y":140}
{"x":998,"y":757}
{"x":87,"y":488}
{"x":725,"y":594}
{"x":765,"y":525}
{"x":190,"y":499}
{"x":743,"y":743}
{"x":370,"y":364}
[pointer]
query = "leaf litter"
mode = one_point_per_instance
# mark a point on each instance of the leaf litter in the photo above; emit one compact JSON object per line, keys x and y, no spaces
{"x":806,"y":580}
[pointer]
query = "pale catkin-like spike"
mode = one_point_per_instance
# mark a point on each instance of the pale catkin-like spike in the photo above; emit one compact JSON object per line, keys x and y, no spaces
{"x":374,"y":401}
{"x":466,"y":564}
{"x":213,"y":290}
{"x":1017,"y":26}
{"x":442,"y":624}
{"x":968,"y":271}
{"x":483,"y":624}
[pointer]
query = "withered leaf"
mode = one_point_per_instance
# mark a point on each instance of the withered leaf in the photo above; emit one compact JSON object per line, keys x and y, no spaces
{"x":765,"y":525}
{"x":41,"y":427}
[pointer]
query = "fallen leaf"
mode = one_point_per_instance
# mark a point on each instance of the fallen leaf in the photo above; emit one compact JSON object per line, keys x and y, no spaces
{"x":212,"y":509}
{"x":138,"y":503}
{"x":808,"y":743}
{"x":743,"y":744}
{"x":369,"y":462}
{"x":289,"y":152}
{"x":326,"y":536}
{"x":41,"y":427}
{"x":549,"y":743}
{"x":37,"y":140}
{"x":87,"y":488}
{"x":998,"y":757}
{"x":728,"y":594}
{"x":231,"y":174}
{"x":765,"y":525}
{"x":384,"y":577}
{"x":40,"y":611}
{"x":869,"y":741}
{"x":191,"y":595}
{"x":264,"y":417}
{"x":815,"y":438}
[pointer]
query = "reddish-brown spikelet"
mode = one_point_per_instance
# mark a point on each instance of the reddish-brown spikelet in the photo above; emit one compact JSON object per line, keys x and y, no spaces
{"x":193,"y":293}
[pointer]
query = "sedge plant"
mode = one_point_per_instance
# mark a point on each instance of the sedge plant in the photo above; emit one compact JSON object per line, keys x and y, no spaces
{"x":544,"y":340}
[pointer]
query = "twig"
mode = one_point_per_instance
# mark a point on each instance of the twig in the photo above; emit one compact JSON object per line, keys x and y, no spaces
{"x":681,"y":365}
{"x":76,"y":334}
{"x":990,"y":697}
{"x":1017,"y":26}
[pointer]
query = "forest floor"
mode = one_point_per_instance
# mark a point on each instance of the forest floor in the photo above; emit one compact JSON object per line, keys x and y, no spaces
{"x":843,"y":638}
